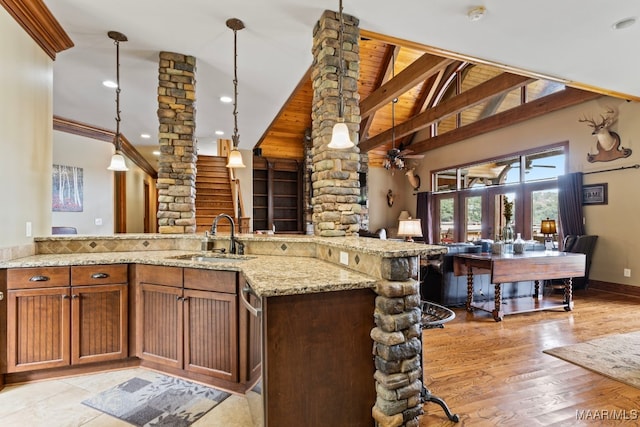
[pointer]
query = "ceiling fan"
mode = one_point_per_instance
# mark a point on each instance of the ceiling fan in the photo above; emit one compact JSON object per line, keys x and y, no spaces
{"x":529,"y":165}
{"x":395,"y":157}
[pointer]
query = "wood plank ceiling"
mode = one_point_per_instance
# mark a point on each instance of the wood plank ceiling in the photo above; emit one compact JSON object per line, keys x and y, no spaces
{"x":440,"y":100}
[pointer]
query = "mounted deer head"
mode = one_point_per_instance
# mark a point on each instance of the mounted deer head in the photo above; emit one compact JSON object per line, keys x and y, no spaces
{"x":414,"y":179}
{"x":608,"y":145}
{"x":605,"y":137}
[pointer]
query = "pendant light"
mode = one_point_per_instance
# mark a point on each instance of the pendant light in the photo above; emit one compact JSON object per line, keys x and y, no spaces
{"x":393,"y":160}
{"x":235,"y":157}
{"x":340,"y":135}
{"x":117,"y":160}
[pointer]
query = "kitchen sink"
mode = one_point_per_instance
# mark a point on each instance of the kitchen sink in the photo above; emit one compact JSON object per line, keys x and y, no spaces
{"x":213,"y":257}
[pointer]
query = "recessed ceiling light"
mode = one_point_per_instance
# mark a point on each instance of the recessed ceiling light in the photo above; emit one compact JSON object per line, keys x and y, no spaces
{"x":226,"y":99}
{"x":110,"y":84}
{"x":145,"y":135}
{"x":156,"y":153}
{"x":219,"y":132}
{"x":623,"y":23}
{"x":476,"y":13}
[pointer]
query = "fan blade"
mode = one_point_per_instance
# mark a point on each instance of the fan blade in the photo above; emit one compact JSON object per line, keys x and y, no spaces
{"x":414,"y":156}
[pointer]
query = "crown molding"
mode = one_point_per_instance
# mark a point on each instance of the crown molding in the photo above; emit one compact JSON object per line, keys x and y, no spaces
{"x":38,"y":21}
{"x":93,"y":132}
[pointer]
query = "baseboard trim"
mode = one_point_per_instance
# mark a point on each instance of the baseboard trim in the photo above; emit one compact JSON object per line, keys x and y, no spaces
{"x":617,"y":288}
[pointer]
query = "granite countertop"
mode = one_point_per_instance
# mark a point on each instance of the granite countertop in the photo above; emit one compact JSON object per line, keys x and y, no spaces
{"x":268,"y":275}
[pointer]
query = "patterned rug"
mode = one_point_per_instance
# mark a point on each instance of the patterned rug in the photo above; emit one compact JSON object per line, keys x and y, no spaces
{"x":165,"y":401}
{"x":615,"y":356}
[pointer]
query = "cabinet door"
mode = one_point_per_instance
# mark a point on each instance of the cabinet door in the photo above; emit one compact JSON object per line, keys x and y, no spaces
{"x":160,"y":314}
{"x":211,"y":336}
{"x":38,"y":329}
{"x":99,"y":323}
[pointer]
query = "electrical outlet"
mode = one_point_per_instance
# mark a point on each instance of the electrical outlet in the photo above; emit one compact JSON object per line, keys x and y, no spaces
{"x":98,"y":221}
{"x":627,"y":272}
{"x":344,"y":258}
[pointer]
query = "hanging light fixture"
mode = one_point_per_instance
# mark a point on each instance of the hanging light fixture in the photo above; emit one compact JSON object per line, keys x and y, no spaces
{"x":340,"y":135}
{"x":117,"y":160}
{"x":393,"y":160}
{"x":235,"y":158}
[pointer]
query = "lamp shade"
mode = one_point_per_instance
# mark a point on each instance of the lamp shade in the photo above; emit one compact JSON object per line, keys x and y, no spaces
{"x":404,"y":215}
{"x":409,"y":228}
{"x":340,"y":137}
{"x":548,"y":226}
{"x":235,"y":159}
{"x":118,"y":163}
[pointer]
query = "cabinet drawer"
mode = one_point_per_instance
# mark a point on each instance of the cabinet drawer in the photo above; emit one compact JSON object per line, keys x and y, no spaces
{"x":210,"y":280}
{"x":98,"y":274}
{"x":159,"y":275}
{"x":37,"y":277}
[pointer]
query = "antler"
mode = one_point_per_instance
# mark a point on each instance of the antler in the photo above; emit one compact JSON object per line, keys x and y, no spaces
{"x":607,"y":120}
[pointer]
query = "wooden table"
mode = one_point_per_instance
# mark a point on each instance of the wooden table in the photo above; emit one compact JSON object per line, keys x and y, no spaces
{"x":508,"y":268}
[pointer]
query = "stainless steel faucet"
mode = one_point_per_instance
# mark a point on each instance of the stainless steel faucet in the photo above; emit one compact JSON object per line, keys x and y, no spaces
{"x":214,"y":228}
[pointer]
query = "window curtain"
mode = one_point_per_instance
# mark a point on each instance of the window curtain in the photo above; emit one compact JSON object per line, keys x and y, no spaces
{"x":424,"y":213}
{"x":570,"y":204}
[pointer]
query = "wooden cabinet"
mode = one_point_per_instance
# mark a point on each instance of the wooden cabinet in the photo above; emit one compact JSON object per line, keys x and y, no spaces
{"x":188,"y":320}
{"x":277,"y":195}
{"x":60,"y":316}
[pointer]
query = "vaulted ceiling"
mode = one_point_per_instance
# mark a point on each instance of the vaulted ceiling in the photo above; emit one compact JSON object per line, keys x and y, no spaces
{"x":416,"y":99}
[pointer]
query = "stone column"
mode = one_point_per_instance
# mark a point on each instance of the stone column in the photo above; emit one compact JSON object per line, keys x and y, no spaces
{"x":336,"y":211}
{"x":177,"y":166}
{"x":397,"y":346}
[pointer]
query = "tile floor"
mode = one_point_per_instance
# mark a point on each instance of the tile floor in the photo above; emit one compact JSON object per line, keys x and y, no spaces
{"x":57,"y":403}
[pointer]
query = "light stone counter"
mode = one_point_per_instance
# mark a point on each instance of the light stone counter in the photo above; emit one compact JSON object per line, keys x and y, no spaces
{"x":267,"y":275}
{"x":277,"y":264}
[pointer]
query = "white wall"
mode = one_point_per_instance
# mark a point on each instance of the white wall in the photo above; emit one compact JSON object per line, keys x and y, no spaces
{"x":26,"y":81}
{"x":93,"y":157}
{"x":616,"y":223}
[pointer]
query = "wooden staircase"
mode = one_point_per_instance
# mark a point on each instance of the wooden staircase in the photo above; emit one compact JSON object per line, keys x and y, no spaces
{"x":213,"y":194}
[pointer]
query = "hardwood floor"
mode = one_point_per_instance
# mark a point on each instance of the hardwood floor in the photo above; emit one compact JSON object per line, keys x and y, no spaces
{"x":495,"y":373}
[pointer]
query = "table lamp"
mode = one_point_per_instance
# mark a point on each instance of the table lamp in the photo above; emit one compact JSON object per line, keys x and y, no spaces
{"x":409,"y":228}
{"x":548,"y":228}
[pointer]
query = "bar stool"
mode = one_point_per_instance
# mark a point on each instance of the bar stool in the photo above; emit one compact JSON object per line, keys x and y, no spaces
{"x":435,"y":316}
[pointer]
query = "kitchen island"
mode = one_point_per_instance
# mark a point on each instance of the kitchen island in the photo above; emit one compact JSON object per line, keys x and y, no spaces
{"x":324,"y":302}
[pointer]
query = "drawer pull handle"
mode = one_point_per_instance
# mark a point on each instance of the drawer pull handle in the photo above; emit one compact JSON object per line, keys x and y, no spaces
{"x":39,"y":279}
{"x":99,"y":276}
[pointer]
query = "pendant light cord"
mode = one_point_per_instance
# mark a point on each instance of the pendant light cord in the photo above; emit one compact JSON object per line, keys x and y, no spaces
{"x":340,"y":64}
{"x":235,"y":137}
{"x":117,"y":141}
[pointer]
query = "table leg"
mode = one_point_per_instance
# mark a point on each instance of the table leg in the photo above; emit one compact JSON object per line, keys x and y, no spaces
{"x":497,"y":310}
{"x":568,"y":294}
{"x":536,"y":292}
{"x":469,"y":288}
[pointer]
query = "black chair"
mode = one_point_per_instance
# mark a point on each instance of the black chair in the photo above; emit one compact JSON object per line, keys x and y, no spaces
{"x":579,"y":244}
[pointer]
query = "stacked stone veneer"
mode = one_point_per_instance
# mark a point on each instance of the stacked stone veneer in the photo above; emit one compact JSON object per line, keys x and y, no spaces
{"x":177,"y":165}
{"x":336,"y":211}
{"x":397,"y":345}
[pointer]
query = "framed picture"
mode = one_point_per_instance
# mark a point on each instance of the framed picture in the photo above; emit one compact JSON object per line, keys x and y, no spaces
{"x":67,"y":189}
{"x":594,"y":194}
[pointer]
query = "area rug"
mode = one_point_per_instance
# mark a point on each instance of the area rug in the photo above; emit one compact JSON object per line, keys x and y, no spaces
{"x":615,"y":356}
{"x":164,"y":401}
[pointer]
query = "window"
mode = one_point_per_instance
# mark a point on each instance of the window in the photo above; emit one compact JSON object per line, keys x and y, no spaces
{"x":470,"y":198}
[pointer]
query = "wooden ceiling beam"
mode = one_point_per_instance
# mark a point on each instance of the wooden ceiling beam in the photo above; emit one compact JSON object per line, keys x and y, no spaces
{"x":418,"y":71}
{"x":548,"y":104}
{"x":504,"y":82}
{"x":385,"y":71}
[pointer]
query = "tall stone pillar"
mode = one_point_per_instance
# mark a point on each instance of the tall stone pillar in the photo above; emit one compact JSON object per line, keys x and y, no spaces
{"x":177,"y":165}
{"x":336,"y":188}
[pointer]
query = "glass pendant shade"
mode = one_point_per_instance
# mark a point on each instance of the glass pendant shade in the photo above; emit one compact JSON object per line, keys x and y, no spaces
{"x":340,"y":136}
{"x":118,"y":163}
{"x":235,"y":159}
